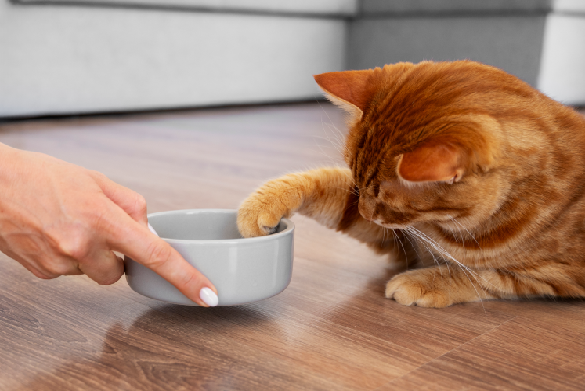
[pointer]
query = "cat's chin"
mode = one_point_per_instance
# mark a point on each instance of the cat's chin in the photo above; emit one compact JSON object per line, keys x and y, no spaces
{"x":389,"y":226}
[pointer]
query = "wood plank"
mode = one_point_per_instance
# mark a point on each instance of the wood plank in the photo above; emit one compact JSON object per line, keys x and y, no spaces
{"x":330,"y":329}
{"x":543,"y":351}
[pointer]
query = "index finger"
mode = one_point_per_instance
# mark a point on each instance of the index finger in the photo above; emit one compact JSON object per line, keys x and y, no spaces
{"x":136,"y":241}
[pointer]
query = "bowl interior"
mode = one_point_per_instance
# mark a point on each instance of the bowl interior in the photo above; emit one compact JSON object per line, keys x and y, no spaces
{"x":208,"y":224}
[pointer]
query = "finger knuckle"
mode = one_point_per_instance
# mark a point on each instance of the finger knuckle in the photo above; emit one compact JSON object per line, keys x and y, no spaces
{"x":138,"y":206}
{"x":43,"y":275}
{"x":56,"y":269}
{"x":114,"y":274}
{"x":158,"y":254}
{"x":187,"y":280}
{"x":97,"y":174}
{"x":74,"y":245}
{"x":109,"y":280}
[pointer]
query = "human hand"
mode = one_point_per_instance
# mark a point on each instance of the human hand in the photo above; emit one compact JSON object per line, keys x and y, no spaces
{"x":57,"y":219}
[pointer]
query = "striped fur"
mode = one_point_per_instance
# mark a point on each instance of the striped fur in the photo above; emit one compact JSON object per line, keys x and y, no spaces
{"x":509,"y":224}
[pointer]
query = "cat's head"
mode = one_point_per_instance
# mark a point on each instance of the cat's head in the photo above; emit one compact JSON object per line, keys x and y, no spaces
{"x":425,"y":139}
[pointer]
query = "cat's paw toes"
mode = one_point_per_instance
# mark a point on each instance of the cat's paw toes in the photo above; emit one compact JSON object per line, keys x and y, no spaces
{"x":409,"y":290}
{"x":256,"y":220}
{"x":271,"y":230}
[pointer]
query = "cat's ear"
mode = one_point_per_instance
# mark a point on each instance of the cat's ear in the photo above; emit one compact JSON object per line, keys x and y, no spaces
{"x":432,"y":161}
{"x":353,"y":88}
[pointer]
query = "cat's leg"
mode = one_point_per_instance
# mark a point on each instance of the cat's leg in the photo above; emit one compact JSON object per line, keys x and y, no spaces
{"x":441,"y":286}
{"x":438,"y":286}
{"x":327,"y":195}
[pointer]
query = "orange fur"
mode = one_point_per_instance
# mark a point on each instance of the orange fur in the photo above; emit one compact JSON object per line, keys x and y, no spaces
{"x":431,"y":161}
{"x":476,"y":173}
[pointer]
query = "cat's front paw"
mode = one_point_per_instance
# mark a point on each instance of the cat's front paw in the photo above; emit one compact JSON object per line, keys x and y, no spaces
{"x":258,"y":216}
{"x":422,"y":287}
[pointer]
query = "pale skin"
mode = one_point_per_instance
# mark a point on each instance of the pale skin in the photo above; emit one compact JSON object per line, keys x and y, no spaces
{"x":58,"y":219}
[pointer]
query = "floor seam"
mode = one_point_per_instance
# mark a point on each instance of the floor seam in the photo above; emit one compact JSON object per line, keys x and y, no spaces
{"x":444,"y":354}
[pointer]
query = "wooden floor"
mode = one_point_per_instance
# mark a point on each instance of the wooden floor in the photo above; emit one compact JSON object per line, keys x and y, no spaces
{"x":332,"y":329}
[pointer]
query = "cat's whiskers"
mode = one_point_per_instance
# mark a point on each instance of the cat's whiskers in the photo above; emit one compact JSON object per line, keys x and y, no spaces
{"x":469,"y":233}
{"x":338,"y":141}
{"x":350,"y":190}
{"x":435,"y":260}
{"x":436,"y":246}
{"x":339,"y":135}
{"x":331,"y":160}
{"x":338,"y":144}
{"x":415,"y":247}
{"x":394,"y":239}
{"x":468,"y":272}
{"x":521,"y":248}
{"x":339,"y":147}
{"x":402,"y":245}
{"x":460,"y":235}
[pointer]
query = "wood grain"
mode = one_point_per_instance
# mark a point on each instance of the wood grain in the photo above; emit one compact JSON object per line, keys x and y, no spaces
{"x":332,"y":329}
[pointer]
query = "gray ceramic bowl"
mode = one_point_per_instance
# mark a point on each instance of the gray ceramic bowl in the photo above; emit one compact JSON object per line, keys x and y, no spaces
{"x":242,"y":270}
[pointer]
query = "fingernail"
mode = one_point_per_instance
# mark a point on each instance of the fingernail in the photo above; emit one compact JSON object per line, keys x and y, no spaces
{"x":209,"y":297}
{"x":152,"y":229}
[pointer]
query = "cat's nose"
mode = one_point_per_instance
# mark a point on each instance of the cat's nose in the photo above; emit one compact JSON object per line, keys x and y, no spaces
{"x":362,"y":211}
{"x":369,"y":217}
{"x":366,"y":210}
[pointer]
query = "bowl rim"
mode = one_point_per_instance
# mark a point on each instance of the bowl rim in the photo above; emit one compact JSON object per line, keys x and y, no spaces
{"x":290,"y":226}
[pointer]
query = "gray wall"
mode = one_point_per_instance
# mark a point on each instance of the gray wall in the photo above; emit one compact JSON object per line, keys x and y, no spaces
{"x":540,"y":41}
{"x":513,"y":43}
{"x":70,"y":56}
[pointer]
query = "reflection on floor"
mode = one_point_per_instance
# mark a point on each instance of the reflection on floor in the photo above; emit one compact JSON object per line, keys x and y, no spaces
{"x":332,"y":329}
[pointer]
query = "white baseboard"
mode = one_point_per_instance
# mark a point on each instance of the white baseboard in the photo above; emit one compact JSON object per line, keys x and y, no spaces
{"x":57,"y":59}
{"x":75,"y":59}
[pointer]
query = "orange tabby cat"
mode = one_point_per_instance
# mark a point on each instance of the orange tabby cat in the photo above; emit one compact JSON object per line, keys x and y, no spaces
{"x":478,"y":175}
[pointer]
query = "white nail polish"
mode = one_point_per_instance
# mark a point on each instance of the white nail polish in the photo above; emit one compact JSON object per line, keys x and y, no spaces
{"x":152,"y":229}
{"x":209,"y":297}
